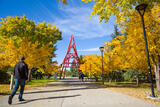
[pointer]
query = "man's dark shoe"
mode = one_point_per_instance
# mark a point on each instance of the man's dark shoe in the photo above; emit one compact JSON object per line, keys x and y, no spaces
{"x":10,"y":100}
{"x":22,"y":99}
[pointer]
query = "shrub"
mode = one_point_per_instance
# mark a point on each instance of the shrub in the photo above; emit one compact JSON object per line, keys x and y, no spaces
{"x":4,"y":77}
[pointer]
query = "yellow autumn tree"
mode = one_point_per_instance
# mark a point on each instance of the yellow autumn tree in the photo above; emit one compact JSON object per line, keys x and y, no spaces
{"x":119,"y":8}
{"x":49,"y":68}
{"x":88,"y":67}
{"x":129,"y":50}
{"x":135,"y":46}
{"x":93,"y":65}
{"x":35,"y":57}
{"x":22,"y":37}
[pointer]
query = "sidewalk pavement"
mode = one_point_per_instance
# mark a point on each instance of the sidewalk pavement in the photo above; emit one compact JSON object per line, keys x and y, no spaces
{"x":73,"y":93}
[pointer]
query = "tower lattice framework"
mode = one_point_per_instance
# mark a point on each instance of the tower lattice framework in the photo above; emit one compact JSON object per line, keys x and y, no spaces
{"x":70,"y":55}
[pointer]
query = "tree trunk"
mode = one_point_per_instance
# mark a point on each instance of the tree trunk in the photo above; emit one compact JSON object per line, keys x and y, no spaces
{"x":96,"y":78}
{"x":48,"y":76}
{"x":29,"y":75}
{"x":110,"y":80}
{"x":137,"y":78}
{"x":157,"y":74}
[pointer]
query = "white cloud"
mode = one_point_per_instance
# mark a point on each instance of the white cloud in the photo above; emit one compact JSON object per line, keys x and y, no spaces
{"x":89,"y":50}
{"x":75,"y":21}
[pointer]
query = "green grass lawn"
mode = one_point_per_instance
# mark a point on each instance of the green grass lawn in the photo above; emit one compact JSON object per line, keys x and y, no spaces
{"x":33,"y":82}
{"x":5,"y":88}
{"x":127,"y":84}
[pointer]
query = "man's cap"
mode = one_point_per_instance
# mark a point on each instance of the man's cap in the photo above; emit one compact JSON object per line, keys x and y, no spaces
{"x":22,"y":58}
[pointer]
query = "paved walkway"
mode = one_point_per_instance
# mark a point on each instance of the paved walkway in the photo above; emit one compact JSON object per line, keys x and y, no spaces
{"x":73,"y":93}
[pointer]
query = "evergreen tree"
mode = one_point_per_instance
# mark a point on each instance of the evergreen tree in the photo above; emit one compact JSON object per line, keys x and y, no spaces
{"x":116,"y":32}
{"x":73,"y":70}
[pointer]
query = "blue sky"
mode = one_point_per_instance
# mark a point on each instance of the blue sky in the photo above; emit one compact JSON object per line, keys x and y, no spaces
{"x":71,"y":19}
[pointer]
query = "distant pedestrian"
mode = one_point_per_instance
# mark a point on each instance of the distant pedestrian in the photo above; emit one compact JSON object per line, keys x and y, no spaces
{"x":79,"y":76}
{"x":21,"y":75}
{"x":82,"y":76}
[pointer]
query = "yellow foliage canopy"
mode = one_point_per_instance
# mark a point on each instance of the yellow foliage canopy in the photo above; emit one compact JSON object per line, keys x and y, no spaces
{"x":128,"y":50}
{"x":35,"y":57}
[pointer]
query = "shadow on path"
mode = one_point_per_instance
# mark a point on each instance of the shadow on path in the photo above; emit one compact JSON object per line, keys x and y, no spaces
{"x":72,"y":89}
{"x":28,"y":101}
{"x":75,"y":84}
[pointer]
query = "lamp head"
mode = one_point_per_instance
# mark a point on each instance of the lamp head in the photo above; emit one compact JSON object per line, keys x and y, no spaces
{"x":141,"y":8}
{"x":101,"y":48}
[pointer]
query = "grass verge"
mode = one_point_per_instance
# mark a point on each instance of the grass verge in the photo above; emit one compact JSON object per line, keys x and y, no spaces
{"x":5,"y":88}
{"x":131,"y":89}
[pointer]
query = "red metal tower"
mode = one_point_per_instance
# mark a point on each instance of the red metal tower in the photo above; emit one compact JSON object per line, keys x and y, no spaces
{"x":70,"y":55}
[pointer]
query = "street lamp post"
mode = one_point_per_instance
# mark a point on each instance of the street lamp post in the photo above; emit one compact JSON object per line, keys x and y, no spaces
{"x":141,"y":9}
{"x":102,"y":49}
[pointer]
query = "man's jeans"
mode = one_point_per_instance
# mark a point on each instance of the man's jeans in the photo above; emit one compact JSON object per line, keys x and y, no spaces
{"x":18,"y":82}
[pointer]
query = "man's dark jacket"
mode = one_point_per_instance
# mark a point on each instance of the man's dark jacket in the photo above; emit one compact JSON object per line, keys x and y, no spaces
{"x":21,"y":70}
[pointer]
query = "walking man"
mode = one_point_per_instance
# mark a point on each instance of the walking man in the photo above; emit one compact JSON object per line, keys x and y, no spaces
{"x":21,"y":75}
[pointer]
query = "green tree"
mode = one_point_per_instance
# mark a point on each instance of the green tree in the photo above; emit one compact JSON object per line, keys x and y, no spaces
{"x":81,"y":59}
{"x":74,"y":70}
